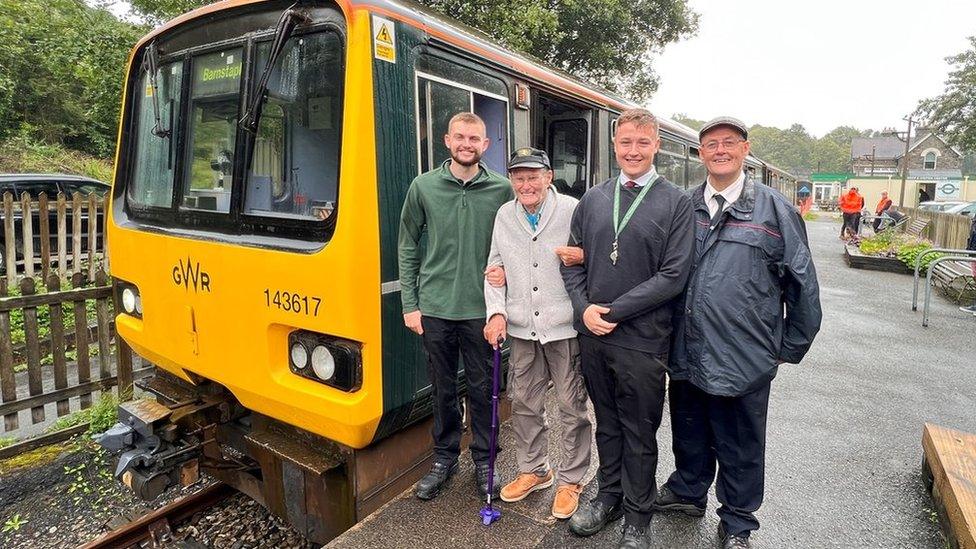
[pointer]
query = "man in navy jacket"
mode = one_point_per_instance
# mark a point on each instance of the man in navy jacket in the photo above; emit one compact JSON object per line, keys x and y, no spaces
{"x":752,"y":303}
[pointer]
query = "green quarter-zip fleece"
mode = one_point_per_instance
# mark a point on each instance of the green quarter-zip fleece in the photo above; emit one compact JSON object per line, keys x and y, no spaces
{"x":445,"y":278}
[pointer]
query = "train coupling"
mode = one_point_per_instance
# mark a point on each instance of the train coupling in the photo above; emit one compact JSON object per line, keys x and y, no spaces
{"x":156,"y":451}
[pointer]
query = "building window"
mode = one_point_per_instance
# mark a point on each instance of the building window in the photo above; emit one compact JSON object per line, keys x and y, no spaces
{"x":929,"y":163}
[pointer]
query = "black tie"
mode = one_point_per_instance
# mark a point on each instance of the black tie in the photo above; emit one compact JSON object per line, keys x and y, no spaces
{"x":718,"y":213}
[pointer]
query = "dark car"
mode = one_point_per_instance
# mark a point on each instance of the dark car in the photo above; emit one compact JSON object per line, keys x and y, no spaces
{"x":51,"y":184}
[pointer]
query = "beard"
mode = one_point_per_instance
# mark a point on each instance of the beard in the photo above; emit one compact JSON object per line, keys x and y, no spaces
{"x":475,"y":158}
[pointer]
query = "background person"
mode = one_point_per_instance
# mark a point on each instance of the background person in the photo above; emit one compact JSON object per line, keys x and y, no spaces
{"x":883,"y":205}
{"x":637,"y":236}
{"x":455,"y":205}
{"x":850,"y":206}
{"x":534,"y":309}
{"x":751,"y":263}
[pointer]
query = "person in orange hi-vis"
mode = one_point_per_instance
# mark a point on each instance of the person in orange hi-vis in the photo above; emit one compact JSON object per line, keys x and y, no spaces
{"x":850,"y":205}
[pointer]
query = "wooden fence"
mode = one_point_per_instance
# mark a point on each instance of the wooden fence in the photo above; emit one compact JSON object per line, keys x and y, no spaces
{"x":945,"y":230}
{"x":57,"y":331}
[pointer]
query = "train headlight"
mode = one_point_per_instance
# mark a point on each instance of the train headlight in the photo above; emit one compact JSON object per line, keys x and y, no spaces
{"x":334,"y":361}
{"x":323,"y":363}
{"x":299,"y":356}
{"x":127,"y":298}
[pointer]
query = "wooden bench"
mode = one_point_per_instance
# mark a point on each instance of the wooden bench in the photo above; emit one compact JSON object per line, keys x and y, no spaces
{"x":949,"y":473}
{"x":955,"y":279}
{"x":916,"y":227}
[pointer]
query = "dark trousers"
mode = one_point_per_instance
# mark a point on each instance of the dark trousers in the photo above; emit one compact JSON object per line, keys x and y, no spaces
{"x":627,"y":391}
{"x":850,"y":222}
{"x":729,"y":430}
{"x":444,"y":340}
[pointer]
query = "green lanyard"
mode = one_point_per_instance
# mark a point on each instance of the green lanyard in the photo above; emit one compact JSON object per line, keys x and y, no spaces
{"x":619,"y":224}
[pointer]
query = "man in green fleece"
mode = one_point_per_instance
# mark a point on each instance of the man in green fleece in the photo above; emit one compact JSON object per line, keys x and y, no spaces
{"x":441,"y":290}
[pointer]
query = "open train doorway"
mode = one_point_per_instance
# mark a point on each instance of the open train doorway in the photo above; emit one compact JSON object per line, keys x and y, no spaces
{"x":564,"y":131}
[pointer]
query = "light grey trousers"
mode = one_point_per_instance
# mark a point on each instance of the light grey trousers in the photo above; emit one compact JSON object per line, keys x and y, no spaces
{"x":532,"y":365}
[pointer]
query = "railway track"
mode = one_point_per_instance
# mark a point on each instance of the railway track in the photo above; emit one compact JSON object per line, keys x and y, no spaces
{"x":157,"y":525}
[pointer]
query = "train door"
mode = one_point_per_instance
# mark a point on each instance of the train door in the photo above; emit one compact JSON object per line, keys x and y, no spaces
{"x":565,"y":131}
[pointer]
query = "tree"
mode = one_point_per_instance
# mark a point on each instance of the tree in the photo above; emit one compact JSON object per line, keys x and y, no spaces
{"x":609,"y":42}
{"x":61,"y":69}
{"x":954,"y":112}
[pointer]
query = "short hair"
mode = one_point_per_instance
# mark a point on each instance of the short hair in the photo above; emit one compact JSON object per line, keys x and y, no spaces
{"x":467,"y":118}
{"x":638,"y":117}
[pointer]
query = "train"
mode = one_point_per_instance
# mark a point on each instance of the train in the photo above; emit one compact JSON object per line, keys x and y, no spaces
{"x":264,"y":151}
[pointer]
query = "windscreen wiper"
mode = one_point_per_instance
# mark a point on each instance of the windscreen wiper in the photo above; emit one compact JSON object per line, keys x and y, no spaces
{"x":290,"y":19}
{"x":151,"y":62}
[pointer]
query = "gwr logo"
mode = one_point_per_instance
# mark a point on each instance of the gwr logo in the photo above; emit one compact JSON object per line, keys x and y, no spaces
{"x":187,"y":274}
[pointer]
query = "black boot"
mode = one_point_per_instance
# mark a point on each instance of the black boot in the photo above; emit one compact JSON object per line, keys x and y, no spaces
{"x":481,"y":478}
{"x":666,"y":500}
{"x":634,"y":538}
{"x":434,"y":481}
{"x":733,"y":541}
{"x":592,"y":517}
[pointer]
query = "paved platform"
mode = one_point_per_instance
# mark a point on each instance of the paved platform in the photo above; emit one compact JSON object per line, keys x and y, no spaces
{"x":844,"y":435}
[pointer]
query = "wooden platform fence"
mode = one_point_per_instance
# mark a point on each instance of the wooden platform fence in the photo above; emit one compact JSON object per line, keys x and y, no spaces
{"x":945,"y":230}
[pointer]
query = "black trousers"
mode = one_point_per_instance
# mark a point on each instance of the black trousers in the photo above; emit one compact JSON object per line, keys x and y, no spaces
{"x":729,"y":430}
{"x":627,"y":391}
{"x":444,"y":340}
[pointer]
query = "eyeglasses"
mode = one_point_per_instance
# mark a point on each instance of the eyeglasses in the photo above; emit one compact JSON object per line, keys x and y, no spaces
{"x":712,"y":146}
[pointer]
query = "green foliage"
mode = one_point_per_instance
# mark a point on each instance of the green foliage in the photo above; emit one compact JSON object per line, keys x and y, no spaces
{"x":61,"y":67}
{"x":810,"y":216}
{"x":13,"y":524}
{"x":103,"y":414}
{"x":908,"y":254}
{"x":7,"y":441}
{"x":954,"y":112}
{"x":91,"y":478}
{"x":23,"y":154}
{"x":605,"y":41}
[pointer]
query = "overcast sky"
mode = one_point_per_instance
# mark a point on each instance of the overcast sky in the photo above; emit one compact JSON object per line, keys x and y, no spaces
{"x":825,"y":63}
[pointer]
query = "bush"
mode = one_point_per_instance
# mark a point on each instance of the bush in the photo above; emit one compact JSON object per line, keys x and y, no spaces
{"x":908,"y":254}
{"x":99,"y":417}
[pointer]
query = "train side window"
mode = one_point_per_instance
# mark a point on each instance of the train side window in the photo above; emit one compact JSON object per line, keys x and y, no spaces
{"x":212,"y":135}
{"x":614,"y":168}
{"x":154,"y":171}
{"x":670,"y":161}
{"x":696,"y":172}
{"x":35,"y":187}
{"x":295,"y":165}
{"x":438,"y":100}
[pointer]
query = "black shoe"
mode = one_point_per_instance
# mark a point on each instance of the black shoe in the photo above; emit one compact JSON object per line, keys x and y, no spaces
{"x":481,"y":477}
{"x":437,"y":479}
{"x":733,"y":541}
{"x":634,"y":538}
{"x":666,"y":500}
{"x":592,"y":517}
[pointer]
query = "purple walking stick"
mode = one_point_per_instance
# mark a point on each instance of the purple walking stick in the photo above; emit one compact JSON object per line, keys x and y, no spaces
{"x":488,"y":514}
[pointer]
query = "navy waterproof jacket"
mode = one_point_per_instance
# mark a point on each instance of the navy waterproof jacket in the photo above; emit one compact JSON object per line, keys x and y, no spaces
{"x":752,"y":300}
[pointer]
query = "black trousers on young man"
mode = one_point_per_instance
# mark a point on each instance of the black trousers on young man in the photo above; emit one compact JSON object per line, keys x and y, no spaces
{"x":444,"y":340}
{"x":626,"y":387}
{"x":729,"y":431}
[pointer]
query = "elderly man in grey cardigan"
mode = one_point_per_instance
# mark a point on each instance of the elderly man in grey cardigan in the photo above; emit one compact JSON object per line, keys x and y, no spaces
{"x":532,"y":306}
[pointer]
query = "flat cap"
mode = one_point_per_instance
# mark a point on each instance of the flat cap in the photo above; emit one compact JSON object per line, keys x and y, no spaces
{"x":733,"y":123}
{"x":529,"y":157}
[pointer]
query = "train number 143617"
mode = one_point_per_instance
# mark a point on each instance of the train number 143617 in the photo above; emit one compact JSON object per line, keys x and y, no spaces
{"x":292,"y":302}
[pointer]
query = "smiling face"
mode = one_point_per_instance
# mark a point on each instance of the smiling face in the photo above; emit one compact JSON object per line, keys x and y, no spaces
{"x":635,"y":147}
{"x":531,"y":185}
{"x":467,"y":141}
{"x":723,"y":150}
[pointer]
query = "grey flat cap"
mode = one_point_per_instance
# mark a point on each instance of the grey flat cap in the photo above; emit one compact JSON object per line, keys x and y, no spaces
{"x":733,"y":123}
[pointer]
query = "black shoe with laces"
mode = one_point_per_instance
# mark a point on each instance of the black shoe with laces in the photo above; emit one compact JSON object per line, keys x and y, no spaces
{"x":733,"y":541}
{"x":437,"y":479}
{"x":592,"y":517}
{"x":667,"y":500}
{"x":634,"y":538}
{"x":481,"y":478}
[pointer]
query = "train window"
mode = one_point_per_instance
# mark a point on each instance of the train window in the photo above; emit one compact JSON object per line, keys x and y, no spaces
{"x":671,"y":167}
{"x":152,"y":181}
{"x":614,"y":168}
{"x":696,"y":172}
{"x":568,"y":151}
{"x":212,"y":134}
{"x":295,"y":166}
{"x":438,"y":100}
{"x":35,"y":187}
{"x":668,"y":145}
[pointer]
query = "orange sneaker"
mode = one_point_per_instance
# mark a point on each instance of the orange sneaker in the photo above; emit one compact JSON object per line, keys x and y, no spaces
{"x":525,"y":484}
{"x":566,"y":501}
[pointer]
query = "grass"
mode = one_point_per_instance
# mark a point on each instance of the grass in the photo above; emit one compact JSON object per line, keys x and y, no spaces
{"x":99,"y":417}
{"x":810,"y":216}
{"x":7,"y":441}
{"x":23,"y":155}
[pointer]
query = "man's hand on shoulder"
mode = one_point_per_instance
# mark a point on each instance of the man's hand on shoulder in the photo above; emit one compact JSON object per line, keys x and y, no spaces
{"x":412,"y":321}
{"x":570,"y":255}
{"x":593,"y":319}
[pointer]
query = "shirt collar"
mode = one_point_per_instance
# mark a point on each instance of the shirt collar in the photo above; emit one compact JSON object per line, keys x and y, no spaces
{"x":640,"y":181}
{"x":730,"y":193}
